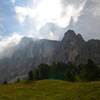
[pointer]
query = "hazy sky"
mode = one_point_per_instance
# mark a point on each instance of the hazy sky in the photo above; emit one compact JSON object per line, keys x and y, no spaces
{"x":48,"y":18}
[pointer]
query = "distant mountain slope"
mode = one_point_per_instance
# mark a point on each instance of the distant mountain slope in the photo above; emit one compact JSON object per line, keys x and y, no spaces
{"x":50,"y":90}
{"x":30,"y":52}
{"x":75,"y":49}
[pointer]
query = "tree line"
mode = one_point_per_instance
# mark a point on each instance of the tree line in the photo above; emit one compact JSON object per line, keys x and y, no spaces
{"x":69,"y":72}
{"x":62,"y":71}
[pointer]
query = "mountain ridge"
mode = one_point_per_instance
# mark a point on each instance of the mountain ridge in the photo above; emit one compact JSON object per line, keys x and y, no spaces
{"x":29,"y":53}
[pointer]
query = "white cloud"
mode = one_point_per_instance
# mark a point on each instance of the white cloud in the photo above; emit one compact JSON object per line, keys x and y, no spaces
{"x":96,"y":9}
{"x":52,"y":36}
{"x":50,"y":11}
{"x":13,"y":1}
{"x":7,"y":44}
{"x":93,"y":8}
{"x":21,"y":13}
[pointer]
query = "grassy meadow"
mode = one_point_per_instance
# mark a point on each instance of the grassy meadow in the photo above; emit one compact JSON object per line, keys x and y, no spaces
{"x":50,"y":90}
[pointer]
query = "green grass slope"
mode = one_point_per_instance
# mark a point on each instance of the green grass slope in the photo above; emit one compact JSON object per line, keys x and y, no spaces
{"x":50,"y":90}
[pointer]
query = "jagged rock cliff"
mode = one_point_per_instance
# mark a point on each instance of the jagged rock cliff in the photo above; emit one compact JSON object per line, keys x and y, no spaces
{"x":30,"y":52}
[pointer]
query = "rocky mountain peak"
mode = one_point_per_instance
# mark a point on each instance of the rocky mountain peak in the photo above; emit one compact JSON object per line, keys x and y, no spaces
{"x":30,"y":53}
{"x":80,"y":38}
{"x":69,"y":35}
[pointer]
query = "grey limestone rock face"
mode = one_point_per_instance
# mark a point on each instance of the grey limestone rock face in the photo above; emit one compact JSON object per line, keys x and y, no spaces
{"x":29,"y":53}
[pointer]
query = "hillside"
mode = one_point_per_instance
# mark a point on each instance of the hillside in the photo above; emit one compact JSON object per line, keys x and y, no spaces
{"x":50,"y":90}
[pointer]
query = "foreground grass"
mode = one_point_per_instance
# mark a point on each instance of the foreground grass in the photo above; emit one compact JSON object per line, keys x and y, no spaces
{"x":50,"y":90}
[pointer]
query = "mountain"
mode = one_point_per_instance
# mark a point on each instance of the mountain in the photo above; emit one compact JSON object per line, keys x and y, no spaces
{"x":30,"y":52}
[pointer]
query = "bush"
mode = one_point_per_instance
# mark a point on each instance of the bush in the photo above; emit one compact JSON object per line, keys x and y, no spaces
{"x":18,"y":80}
{"x":5,"y":82}
{"x":43,"y":71}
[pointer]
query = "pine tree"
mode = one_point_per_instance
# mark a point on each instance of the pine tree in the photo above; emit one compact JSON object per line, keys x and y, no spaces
{"x":30,"y":75}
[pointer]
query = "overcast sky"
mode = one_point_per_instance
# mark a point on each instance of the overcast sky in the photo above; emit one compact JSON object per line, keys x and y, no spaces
{"x":48,"y":18}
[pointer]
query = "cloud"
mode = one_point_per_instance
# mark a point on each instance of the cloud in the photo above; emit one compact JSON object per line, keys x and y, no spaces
{"x":56,"y":16}
{"x":39,"y":13}
{"x":96,"y":9}
{"x":51,"y":31}
{"x":7,"y":44}
{"x":21,"y":13}
{"x":13,"y":1}
{"x":48,"y":19}
{"x":50,"y":11}
{"x":88,"y":23}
